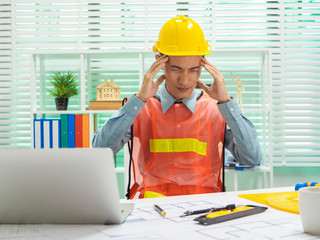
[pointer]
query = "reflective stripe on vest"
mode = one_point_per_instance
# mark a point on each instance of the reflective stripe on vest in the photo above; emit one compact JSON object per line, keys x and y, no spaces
{"x":178,"y":145}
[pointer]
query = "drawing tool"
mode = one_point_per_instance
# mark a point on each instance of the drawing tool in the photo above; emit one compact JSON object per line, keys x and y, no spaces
{"x":284,"y":201}
{"x":159,"y":210}
{"x":226,"y":215}
{"x":228,"y":207}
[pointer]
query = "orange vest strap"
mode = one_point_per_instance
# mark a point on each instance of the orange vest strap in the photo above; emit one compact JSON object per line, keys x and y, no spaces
{"x":133,"y":190}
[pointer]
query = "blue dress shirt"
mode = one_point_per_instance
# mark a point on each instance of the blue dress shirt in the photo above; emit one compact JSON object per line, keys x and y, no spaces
{"x":240,"y":136}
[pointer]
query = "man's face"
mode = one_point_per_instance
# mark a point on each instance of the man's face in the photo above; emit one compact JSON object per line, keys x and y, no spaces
{"x":182,"y":74}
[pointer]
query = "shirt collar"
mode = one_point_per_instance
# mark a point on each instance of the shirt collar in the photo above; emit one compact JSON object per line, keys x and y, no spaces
{"x":167,"y":100}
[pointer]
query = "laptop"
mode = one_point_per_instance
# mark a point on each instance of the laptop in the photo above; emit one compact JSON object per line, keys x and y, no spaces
{"x":60,"y":186}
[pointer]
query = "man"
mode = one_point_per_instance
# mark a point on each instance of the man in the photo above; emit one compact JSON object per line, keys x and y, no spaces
{"x":179,"y":131}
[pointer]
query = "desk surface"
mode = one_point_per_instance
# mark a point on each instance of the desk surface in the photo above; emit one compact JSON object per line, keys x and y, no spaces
{"x":146,"y":223}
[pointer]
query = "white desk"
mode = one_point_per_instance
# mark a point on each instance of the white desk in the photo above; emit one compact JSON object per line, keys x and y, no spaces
{"x":145,"y":223}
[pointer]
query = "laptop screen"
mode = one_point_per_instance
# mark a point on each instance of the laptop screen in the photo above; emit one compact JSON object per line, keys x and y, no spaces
{"x":58,"y":186}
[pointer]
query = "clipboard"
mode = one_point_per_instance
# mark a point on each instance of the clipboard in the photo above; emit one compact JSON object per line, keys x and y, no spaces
{"x":226,"y":215}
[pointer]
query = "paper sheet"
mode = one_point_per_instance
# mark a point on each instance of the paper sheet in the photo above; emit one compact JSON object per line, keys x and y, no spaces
{"x":146,"y":224}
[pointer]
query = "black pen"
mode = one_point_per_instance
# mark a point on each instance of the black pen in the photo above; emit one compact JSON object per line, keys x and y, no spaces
{"x":208,"y":210}
{"x":159,"y":210}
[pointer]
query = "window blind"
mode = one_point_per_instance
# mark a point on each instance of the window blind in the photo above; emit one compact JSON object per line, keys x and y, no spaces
{"x":290,"y":29}
{"x":7,"y":100}
{"x":296,"y":97}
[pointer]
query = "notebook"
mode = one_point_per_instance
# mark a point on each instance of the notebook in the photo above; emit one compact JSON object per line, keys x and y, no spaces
{"x":64,"y":186}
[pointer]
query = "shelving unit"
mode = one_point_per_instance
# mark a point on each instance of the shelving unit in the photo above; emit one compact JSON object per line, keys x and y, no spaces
{"x":127,"y":68}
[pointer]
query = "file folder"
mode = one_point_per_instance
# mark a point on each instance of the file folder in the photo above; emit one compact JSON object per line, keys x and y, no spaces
{"x":64,"y":130}
{"x":78,"y":130}
{"x":71,"y":131}
{"x":37,"y":133}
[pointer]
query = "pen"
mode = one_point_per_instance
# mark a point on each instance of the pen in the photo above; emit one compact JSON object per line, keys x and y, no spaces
{"x":159,"y":210}
{"x":208,"y":210}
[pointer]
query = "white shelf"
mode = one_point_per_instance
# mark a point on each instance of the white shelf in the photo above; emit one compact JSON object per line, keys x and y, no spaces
{"x":246,"y":169}
{"x":74,"y":112}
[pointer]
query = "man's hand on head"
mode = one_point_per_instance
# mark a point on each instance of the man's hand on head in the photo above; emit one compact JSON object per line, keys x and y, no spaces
{"x":149,"y":87}
{"x":217,"y":90}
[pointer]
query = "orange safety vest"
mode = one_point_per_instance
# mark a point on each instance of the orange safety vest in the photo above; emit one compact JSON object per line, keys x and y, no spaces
{"x":178,"y":152}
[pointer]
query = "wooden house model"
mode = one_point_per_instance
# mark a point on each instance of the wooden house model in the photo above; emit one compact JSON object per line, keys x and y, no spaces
{"x":108,"y":91}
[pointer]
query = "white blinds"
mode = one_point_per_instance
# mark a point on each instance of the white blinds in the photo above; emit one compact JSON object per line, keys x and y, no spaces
{"x":7,"y":101}
{"x":297,"y":91}
{"x":289,"y":28}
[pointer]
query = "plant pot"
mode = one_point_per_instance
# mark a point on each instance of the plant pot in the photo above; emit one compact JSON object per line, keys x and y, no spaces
{"x":62,"y":103}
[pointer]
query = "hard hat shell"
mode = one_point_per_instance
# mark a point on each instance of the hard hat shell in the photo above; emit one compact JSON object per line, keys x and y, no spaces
{"x":181,"y":36}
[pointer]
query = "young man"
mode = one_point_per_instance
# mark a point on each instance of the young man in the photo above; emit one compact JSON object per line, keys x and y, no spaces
{"x":178,"y":131}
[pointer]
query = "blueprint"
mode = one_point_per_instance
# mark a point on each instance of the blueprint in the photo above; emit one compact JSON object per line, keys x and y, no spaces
{"x":145,"y":223}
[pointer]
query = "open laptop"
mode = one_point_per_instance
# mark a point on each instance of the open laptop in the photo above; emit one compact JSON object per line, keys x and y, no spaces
{"x":60,"y":186}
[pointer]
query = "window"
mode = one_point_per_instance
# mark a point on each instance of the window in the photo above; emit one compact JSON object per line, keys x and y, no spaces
{"x":289,"y":28}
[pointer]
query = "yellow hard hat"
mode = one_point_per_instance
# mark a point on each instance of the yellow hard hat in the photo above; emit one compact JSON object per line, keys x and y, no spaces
{"x":181,"y":36}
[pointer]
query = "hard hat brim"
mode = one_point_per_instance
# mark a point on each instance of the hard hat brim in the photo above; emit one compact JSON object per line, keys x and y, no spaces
{"x":182,"y":53}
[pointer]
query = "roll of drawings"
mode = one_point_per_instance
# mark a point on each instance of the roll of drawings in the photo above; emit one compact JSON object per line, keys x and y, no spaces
{"x":306,"y":184}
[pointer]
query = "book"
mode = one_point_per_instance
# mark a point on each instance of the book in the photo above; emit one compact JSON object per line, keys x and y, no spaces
{"x":105,"y":105}
{"x":78,"y":130}
{"x":37,"y":133}
{"x":47,"y":133}
{"x":71,"y":131}
{"x":55,"y":133}
{"x":64,"y":130}
{"x":85,"y":131}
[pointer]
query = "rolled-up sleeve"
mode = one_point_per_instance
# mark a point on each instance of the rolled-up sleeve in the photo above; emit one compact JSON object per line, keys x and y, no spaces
{"x":241,"y":137}
{"x":116,"y":132}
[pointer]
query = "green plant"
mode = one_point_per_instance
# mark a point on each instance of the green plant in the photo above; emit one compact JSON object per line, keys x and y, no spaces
{"x":64,"y":85}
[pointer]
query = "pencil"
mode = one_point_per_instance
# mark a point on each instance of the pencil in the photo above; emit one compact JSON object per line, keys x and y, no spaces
{"x":159,"y":210}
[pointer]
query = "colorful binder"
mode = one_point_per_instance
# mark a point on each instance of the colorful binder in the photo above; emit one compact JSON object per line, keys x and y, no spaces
{"x":71,"y":131}
{"x":47,"y":133}
{"x":85,"y":131}
{"x":55,"y":133}
{"x":64,"y":130}
{"x":78,"y":130}
{"x":37,"y":133}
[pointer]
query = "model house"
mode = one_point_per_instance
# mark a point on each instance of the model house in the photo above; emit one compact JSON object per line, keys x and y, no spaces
{"x":108,"y":91}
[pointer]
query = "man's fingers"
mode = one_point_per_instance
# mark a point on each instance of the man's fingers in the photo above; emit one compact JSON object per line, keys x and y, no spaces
{"x":160,"y":61}
{"x":160,"y":80}
{"x":152,"y":72}
{"x":210,"y":68}
{"x":202,"y":85}
{"x":156,"y":70}
{"x":211,"y":71}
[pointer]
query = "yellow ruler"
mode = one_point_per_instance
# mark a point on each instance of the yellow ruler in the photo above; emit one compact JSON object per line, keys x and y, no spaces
{"x":226,"y":215}
{"x":285,"y":201}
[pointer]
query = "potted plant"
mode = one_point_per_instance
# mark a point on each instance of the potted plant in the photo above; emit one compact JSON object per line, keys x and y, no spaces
{"x":64,"y":86}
